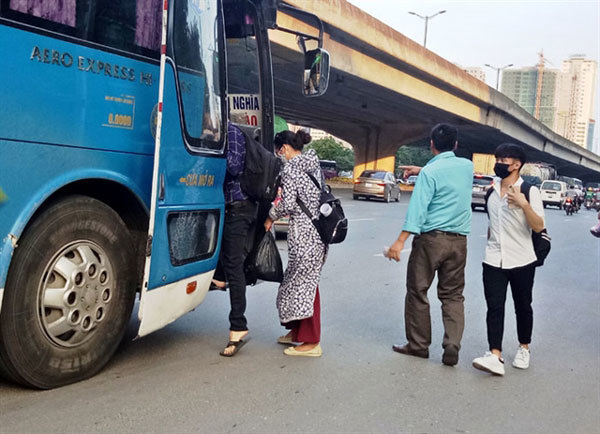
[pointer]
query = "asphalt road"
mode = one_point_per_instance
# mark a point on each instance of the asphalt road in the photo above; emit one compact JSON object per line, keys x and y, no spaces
{"x":175,"y":381}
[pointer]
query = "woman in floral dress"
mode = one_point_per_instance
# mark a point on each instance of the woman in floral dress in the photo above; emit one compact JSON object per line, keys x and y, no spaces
{"x":298,"y":296}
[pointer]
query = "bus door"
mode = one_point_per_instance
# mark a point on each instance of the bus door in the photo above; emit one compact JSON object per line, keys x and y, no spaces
{"x":187,"y":205}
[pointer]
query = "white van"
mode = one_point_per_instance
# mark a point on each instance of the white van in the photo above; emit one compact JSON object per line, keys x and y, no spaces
{"x":554,"y":193}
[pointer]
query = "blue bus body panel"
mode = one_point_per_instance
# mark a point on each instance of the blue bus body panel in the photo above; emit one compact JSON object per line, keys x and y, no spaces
{"x":64,"y":118}
{"x":69,"y":105}
{"x":30,"y":173}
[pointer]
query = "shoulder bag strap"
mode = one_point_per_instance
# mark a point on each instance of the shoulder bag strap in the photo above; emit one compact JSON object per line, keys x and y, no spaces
{"x":301,"y":203}
{"x":314,"y":180}
{"x":525,"y":188}
{"x":487,"y":198}
{"x":304,"y":208}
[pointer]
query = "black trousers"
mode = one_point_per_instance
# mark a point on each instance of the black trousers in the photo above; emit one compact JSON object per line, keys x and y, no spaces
{"x":238,"y":233}
{"x":495,"y":284}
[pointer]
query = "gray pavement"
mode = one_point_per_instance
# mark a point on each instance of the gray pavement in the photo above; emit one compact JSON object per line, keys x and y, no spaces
{"x":175,"y":381}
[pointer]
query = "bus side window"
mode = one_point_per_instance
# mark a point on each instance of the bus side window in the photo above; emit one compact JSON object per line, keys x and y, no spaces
{"x":56,"y":12}
{"x":114,"y":24}
{"x":149,"y":24}
{"x":58,"y":17}
{"x":129,"y":26}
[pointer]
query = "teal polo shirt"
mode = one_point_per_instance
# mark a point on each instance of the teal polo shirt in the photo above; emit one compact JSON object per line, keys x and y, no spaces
{"x":442,"y":196}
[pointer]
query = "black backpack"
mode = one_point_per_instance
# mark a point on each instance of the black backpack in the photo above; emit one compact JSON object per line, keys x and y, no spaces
{"x":260,"y":178}
{"x":541,"y":240}
{"x":333,"y":226}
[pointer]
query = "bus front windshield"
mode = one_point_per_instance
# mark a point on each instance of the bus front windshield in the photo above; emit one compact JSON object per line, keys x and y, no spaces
{"x":197,"y":37}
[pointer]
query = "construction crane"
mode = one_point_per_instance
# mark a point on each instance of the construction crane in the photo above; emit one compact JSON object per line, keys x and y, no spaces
{"x":540,"y":76}
{"x":572,"y":107}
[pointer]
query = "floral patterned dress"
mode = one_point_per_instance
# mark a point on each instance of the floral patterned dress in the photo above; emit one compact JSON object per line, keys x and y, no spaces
{"x":306,"y":251}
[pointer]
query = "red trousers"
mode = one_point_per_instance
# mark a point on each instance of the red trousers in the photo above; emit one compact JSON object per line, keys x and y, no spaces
{"x":308,"y":330}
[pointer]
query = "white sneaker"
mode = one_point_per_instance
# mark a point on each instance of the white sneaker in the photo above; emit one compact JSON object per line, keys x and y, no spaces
{"x":489,"y":363}
{"x":522,"y":358}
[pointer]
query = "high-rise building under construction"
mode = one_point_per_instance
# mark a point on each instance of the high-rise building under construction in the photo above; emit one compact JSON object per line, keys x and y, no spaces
{"x":575,"y":117}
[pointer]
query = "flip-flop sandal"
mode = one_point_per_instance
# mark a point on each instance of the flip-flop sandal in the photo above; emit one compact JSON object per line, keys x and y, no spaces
{"x":237,"y":345}
{"x":214,"y":287}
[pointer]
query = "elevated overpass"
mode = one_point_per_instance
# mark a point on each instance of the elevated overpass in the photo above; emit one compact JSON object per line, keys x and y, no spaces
{"x":386,"y":91}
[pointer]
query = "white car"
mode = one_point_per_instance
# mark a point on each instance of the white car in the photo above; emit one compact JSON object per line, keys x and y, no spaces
{"x":281,"y":226}
{"x":554,"y":193}
{"x":411,"y":180}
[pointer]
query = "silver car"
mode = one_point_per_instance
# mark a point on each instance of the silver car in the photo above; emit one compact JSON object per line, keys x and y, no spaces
{"x":376,"y":184}
{"x":481,"y":185}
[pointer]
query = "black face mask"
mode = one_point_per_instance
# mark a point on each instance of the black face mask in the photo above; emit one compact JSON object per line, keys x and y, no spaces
{"x":501,"y":170}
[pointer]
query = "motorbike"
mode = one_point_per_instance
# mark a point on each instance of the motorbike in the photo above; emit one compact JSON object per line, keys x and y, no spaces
{"x":588,"y":203}
{"x":569,"y":206}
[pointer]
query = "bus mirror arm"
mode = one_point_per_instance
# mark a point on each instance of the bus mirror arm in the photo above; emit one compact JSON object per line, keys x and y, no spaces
{"x":316,"y":61}
{"x":303,"y":36}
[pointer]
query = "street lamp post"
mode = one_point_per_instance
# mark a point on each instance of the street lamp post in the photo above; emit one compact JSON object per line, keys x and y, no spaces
{"x":426,"y":18}
{"x":498,"y":71}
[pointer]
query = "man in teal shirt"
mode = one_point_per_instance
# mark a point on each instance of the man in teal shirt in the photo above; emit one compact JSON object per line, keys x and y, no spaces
{"x":439,"y":217}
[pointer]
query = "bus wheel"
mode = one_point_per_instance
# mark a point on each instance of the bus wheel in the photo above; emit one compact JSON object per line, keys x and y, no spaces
{"x":69,"y":294}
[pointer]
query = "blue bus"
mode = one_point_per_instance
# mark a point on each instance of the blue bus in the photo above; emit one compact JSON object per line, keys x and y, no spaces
{"x":82,"y":173}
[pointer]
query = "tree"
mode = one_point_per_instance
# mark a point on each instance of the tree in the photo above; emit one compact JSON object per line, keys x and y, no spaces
{"x":411,"y":155}
{"x":329,"y":149}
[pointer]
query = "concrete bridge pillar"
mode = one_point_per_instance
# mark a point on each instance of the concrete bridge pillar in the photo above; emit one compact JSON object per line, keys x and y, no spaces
{"x":372,"y":154}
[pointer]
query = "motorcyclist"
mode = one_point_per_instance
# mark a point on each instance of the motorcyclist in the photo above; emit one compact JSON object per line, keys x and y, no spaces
{"x":589,"y":197}
{"x":580,"y":196}
{"x":572,"y":194}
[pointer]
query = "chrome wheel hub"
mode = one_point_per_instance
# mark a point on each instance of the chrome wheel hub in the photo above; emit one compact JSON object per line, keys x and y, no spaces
{"x":75,"y":293}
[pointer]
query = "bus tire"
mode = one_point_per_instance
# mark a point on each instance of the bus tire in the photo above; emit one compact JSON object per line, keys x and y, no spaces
{"x":69,"y":294}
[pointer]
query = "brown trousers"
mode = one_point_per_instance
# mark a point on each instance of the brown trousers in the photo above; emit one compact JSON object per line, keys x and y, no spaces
{"x":446,"y":254}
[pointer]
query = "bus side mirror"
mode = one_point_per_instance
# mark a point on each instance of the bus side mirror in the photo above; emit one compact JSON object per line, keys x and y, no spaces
{"x":316,"y":72}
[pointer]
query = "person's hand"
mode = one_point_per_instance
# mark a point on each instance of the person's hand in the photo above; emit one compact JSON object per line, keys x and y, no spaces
{"x":268,"y":224}
{"x":395,"y":250}
{"x":410,"y":170}
{"x":515,"y":197}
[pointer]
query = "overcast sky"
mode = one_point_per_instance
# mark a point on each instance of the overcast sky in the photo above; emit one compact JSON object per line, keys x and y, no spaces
{"x":473,"y":33}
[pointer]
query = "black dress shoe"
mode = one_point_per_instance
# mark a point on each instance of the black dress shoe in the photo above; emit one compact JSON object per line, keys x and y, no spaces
{"x":450,"y":357}
{"x":405,"y":349}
